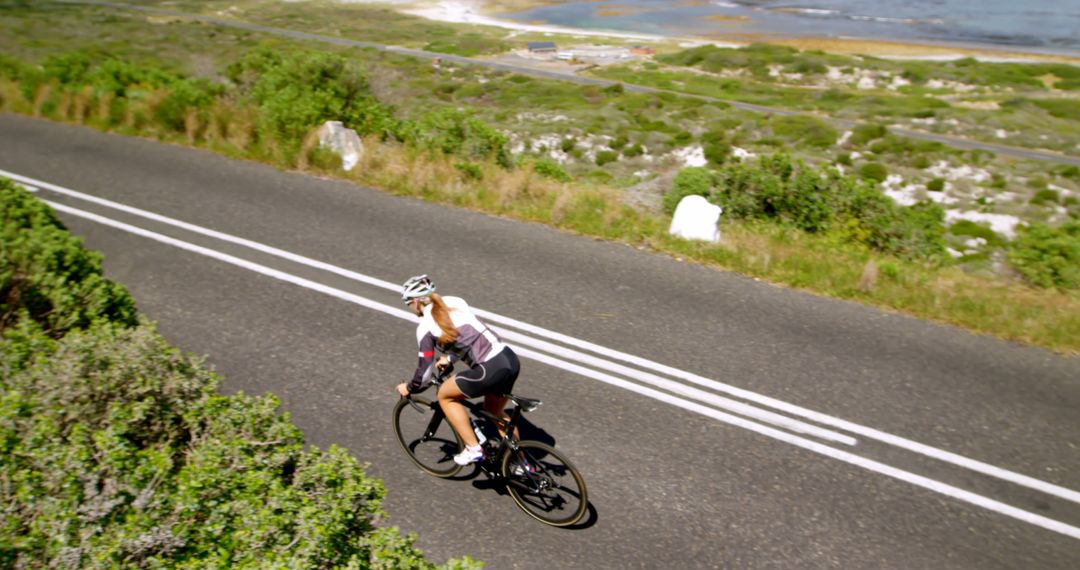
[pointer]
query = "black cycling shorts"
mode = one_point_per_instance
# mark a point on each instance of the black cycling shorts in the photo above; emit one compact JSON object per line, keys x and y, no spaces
{"x":496,"y":376}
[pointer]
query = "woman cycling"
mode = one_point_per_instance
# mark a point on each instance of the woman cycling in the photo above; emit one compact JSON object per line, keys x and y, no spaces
{"x":448,"y":324}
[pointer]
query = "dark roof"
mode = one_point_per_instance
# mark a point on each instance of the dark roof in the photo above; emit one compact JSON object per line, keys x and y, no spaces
{"x":541,"y":45}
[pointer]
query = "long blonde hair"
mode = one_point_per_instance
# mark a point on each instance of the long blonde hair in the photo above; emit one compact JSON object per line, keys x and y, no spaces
{"x":441,"y":313}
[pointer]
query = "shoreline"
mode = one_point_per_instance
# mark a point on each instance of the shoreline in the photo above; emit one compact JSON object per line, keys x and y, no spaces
{"x":486,"y":13}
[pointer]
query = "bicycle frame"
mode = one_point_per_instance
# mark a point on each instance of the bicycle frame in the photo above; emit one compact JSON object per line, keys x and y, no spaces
{"x":478,"y":412}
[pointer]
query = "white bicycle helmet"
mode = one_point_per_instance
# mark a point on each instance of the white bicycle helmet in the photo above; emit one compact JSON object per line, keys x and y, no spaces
{"x":417,"y":287}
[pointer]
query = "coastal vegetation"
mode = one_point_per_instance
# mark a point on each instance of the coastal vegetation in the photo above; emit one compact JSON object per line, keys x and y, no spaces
{"x":117,"y":450}
{"x":810,"y":202}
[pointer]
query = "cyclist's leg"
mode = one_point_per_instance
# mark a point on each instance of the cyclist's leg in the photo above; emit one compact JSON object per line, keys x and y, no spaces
{"x":496,"y":405}
{"x":450,"y":397}
{"x":503,"y":383}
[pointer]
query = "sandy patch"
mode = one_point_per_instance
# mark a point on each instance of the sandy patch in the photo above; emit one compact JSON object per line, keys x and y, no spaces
{"x":897,"y":50}
{"x":980,"y":105}
{"x":474,"y":12}
{"x":727,"y":19}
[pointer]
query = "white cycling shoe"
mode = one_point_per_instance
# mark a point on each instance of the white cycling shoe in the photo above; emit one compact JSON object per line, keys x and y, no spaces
{"x":469,"y":456}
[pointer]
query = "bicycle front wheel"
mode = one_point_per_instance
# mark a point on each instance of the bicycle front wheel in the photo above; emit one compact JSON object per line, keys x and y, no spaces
{"x":544,"y":484}
{"x":426,"y":436}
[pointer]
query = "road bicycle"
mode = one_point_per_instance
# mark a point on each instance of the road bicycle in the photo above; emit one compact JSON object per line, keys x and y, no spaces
{"x":540,"y":479}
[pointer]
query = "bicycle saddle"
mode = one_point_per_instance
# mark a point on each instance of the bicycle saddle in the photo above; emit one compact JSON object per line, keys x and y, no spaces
{"x":526,"y":404}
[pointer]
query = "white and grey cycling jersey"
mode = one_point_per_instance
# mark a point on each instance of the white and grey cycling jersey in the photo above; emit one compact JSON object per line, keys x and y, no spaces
{"x":476,"y":343}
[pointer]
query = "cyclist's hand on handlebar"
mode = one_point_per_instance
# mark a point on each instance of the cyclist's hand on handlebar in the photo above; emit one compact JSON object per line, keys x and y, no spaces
{"x":403,"y":389}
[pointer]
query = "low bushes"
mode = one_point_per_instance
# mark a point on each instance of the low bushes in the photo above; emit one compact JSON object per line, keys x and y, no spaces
{"x":46,"y":274}
{"x":804,"y":129}
{"x":1047,"y":256}
{"x":694,"y":180}
{"x":273,"y":100}
{"x":117,"y":451}
{"x":814,"y":201}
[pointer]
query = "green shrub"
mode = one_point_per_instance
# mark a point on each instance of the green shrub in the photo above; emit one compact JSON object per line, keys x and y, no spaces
{"x":1047,"y":256}
{"x":126,"y":79}
{"x":599,"y":176}
{"x":682,"y":138}
{"x":693,"y":180}
{"x":46,"y":274}
{"x":936,"y":185}
{"x":777,"y":189}
{"x":118,"y":452}
{"x":605,"y":156}
{"x":550,"y":169}
{"x":459,"y":133}
{"x":469,"y":170}
{"x":889,"y":270}
{"x":633,"y":150}
{"x":1070,"y":171}
{"x":1046,"y":196}
{"x":297,"y":91}
{"x":804,"y":129}
{"x":968,"y":228}
{"x":843,"y":158}
{"x":874,"y":171}
{"x":185,"y":95}
{"x":865,"y":133}
{"x":1037,"y":182}
{"x":1060,"y":108}
{"x":717,"y":152}
{"x":905,"y":146}
{"x":568,"y":144}
{"x":69,"y":68}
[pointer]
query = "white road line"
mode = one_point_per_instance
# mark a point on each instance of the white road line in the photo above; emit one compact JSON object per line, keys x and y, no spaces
{"x":864,"y":431}
{"x":681,"y":389}
{"x":847,"y":457}
{"x":867,"y":432}
{"x":368,"y":303}
{"x":737,"y":407}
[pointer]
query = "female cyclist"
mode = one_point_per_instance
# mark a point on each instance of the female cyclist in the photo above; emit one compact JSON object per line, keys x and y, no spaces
{"x":447,"y":323}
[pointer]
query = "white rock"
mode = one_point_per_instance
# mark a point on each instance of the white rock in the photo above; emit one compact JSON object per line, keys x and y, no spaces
{"x":741,"y":153}
{"x":695,"y":218}
{"x":691,"y":155}
{"x":898,"y":82}
{"x":345,"y":142}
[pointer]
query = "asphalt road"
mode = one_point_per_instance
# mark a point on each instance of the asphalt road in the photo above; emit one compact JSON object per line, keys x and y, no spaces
{"x":895,"y":443}
{"x":957,"y":142}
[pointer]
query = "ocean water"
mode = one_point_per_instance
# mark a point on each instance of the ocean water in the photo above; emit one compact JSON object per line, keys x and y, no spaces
{"x":1036,"y":25}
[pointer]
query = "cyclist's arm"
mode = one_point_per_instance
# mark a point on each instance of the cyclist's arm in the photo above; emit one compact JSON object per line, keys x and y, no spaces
{"x":421,"y":379}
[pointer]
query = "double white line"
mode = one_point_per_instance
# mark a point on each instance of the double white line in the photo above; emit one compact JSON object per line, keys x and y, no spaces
{"x":610,"y":366}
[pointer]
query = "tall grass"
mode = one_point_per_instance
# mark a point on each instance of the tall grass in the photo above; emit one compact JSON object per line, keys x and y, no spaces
{"x":820,"y":264}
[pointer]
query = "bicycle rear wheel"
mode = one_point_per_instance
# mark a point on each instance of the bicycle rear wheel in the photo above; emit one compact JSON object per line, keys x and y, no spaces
{"x":545,"y":485}
{"x":426,"y":436}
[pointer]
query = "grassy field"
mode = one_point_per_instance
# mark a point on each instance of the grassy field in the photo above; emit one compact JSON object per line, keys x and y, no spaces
{"x":598,"y":161}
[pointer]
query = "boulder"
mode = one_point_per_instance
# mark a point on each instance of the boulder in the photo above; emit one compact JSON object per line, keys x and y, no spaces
{"x":344,"y":141}
{"x":695,"y":218}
